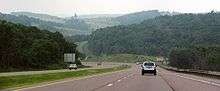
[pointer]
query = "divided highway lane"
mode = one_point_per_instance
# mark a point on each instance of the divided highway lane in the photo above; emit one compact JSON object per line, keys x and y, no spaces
{"x":131,"y":80}
{"x":187,"y":82}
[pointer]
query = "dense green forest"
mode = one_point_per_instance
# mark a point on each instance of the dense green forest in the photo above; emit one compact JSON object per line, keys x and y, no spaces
{"x":159,"y":35}
{"x":189,"y":40}
{"x":28,"y":48}
{"x":197,"y":57}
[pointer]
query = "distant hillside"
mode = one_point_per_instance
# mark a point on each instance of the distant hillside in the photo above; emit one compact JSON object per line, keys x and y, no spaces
{"x":44,"y":17}
{"x":100,"y":16}
{"x":159,"y":35}
{"x":101,"y":21}
{"x":92,"y":22}
{"x":68,"y":28}
{"x":81,"y":24}
{"x":28,"y":21}
{"x":138,"y":17}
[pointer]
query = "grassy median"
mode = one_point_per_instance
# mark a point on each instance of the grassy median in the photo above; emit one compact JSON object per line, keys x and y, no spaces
{"x":23,"y":80}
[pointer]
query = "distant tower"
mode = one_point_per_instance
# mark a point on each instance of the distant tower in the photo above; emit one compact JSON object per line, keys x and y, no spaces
{"x":75,"y":16}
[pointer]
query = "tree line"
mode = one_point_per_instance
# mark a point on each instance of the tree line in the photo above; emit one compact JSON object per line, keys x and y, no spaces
{"x":197,"y":57}
{"x":158,"y":36}
{"x":68,"y":27}
{"x":161,"y":35}
{"x":29,"y":48}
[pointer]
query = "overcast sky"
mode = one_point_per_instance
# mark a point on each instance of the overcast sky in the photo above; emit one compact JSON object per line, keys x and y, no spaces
{"x":69,"y":7}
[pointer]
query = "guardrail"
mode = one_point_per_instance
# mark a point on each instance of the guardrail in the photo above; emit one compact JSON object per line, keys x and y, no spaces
{"x":205,"y":72}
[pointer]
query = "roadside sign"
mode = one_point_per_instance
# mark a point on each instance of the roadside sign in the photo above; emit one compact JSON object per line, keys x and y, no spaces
{"x":69,"y":57}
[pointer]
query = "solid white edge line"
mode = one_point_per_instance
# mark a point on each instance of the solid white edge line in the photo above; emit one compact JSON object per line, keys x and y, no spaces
{"x":109,"y":85}
{"x":118,"y":80}
{"x":203,"y":81}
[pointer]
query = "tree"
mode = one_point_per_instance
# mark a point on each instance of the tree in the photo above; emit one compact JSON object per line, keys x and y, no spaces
{"x":29,"y":48}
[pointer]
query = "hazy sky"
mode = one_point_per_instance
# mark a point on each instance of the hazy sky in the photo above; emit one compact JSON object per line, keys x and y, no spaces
{"x":69,"y":7}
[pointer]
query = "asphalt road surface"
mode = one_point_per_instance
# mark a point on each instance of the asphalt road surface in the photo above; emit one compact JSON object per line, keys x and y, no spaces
{"x":132,"y":80}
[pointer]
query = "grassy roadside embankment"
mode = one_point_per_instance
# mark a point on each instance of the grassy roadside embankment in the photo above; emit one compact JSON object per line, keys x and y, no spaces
{"x":25,"y":80}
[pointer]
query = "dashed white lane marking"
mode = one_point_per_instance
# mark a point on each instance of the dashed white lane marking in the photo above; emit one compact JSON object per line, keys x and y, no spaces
{"x":109,"y":85}
{"x":118,"y":80}
{"x":203,"y":81}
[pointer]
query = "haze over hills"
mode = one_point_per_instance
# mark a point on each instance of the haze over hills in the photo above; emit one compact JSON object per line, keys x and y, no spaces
{"x":94,"y":21}
{"x":138,"y":17}
{"x":70,"y":27}
{"x":100,"y":15}
{"x":79,"y":24}
{"x":44,"y":17}
{"x":126,"y":19}
{"x":159,"y":35}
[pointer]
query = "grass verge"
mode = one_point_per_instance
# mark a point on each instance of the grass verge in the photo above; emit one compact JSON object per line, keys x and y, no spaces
{"x":23,"y":80}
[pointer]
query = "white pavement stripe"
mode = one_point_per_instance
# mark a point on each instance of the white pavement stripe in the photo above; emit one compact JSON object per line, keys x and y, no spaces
{"x":109,"y":85}
{"x":203,"y":81}
{"x":118,"y":80}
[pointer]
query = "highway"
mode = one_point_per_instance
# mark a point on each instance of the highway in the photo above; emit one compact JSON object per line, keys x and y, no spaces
{"x":93,"y":65}
{"x":132,"y":80}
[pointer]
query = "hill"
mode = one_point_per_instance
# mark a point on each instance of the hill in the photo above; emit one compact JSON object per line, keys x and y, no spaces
{"x":138,"y":17}
{"x":29,"y":48}
{"x":99,"y":16}
{"x":80,"y":25}
{"x":84,"y":22}
{"x":83,"y":48}
{"x":159,"y":35}
{"x":101,"y":22}
{"x":70,"y":27}
{"x":126,"y":19}
{"x":44,"y":17}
